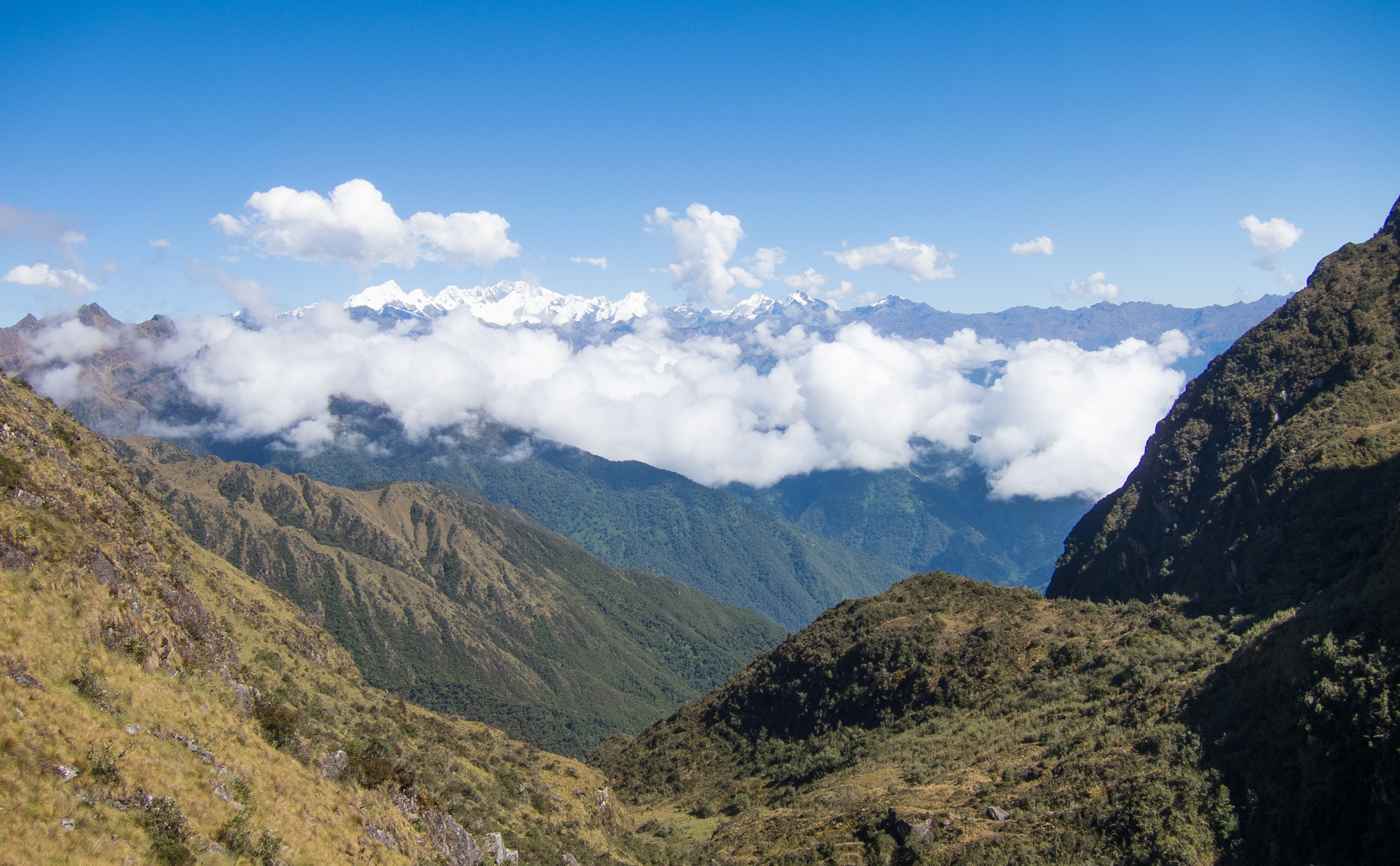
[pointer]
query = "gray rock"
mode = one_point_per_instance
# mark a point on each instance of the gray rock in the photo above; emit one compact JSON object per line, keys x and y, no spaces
{"x":133,"y":729}
{"x":102,"y":568}
{"x":65,"y":772}
{"x":27,"y":681}
{"x":382,"y":837}
{"x":456,"y":844}
{"x":27,"y":499}
{"x":496,"y":847}
{"x":569,"y":860}
{"x":334,"y":765}
{"x":996,"y":813}
{"x":66,"y":823}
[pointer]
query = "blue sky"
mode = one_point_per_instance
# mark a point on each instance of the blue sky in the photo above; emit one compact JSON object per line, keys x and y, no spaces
{"x":1136,"y":136}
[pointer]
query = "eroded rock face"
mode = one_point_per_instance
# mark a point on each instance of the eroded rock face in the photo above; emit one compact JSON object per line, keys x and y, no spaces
{"x":456,"y":844}
{"x":497,"y":849}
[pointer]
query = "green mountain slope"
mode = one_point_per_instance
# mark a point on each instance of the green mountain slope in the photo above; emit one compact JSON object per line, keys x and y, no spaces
{"x":1274,"y":473}
{"x":1273,"y":487}
{"x":1239,"y":703}
{"x":162,"y":707}
{"x":890,"y":729}
{"x":935,"y":515}
{"x":460,"y":605}
{"x":626,"y":513}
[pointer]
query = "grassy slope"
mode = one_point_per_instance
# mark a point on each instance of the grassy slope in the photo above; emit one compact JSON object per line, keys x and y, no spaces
{"x":101,"y":588}
{"x":625,"y":513}
{"x":939,"y":699}
{"x":460,"y":605}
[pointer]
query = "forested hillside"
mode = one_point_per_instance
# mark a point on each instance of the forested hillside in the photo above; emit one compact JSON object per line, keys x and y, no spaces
{"x":626,"y":513}
{"x":460,"y":605}
{"x":934,"y":515}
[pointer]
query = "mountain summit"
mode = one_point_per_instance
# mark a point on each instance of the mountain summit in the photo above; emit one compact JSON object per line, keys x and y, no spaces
{"x":1274,"y":473}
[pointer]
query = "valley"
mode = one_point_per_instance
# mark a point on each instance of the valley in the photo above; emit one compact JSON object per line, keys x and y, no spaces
{"x":1208,"y":678}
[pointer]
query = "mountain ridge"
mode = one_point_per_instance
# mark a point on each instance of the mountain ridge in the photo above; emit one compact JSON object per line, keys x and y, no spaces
{"x":460,"y":605}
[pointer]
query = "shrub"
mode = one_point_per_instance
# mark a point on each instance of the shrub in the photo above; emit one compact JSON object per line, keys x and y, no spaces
{"x":165,"y":825}
{"x":102,"y":764}
{"x":279,"y":722}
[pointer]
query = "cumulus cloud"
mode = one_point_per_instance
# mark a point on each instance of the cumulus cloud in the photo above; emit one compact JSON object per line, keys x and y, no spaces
{"x":1041,"y":246}
{"x":1046,"y":418}
{"x":919,"y":261}
{"x":1274,"y":238}
{"x":1097,"y":286}
{"x":70,"y":282}
{"x":355,"y":225}
{"x":601,"y":261}
{"x":160,"y":243}
{"x":703,"y":242}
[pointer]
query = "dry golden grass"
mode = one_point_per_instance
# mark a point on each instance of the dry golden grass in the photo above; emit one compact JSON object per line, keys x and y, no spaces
{"x":204,"y":627}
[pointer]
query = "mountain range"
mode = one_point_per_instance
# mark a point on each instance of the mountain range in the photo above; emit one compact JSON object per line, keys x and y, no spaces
{"x":786,"y":552}
{"x":1211,"y":679}
{"x":584,"y":321}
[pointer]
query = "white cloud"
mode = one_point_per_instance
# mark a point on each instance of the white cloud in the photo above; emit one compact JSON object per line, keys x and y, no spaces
{"x":919,"y":261}
{"x":357,"y":226}
{"x":808,"y":281}
{"x":601,"y":261}
{"x":1041,"y":246}
{"x":703,"y":242}
{"x":59,"y":383}
{"x":70,"y":341}
{"x":1274,"y":238}
{"x":160,"y":243}
{"x":1097,"y":285}
{"x":69,"y":282}
{"x":1046,"y":418}
{"x":764,"y":262}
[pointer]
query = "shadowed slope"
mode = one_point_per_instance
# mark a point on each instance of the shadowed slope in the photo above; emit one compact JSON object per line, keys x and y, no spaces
{"x":1272,"y":475}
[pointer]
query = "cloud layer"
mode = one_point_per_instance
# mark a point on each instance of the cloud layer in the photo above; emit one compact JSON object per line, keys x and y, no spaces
{"x":358,"y":227}
{"x":1045,"y":418}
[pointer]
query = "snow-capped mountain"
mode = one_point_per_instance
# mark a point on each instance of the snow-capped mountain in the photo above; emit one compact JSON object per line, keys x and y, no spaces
{"x":585,"y":321}
{"x":510,"y":302}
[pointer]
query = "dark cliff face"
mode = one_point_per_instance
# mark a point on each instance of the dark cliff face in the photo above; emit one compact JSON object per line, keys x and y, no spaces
{"x":1275,"y":472}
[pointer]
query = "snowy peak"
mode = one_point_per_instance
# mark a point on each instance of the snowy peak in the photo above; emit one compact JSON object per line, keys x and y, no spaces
{"x":509,"y":302}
